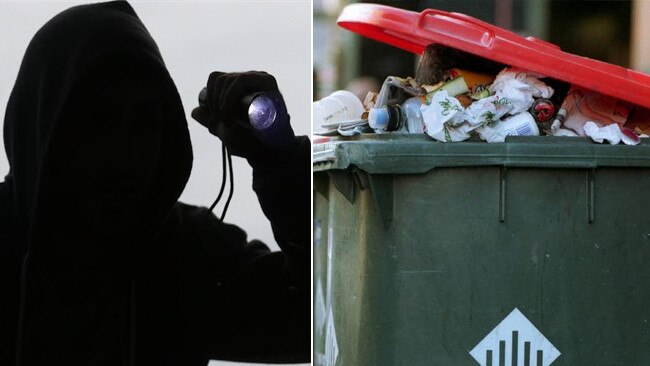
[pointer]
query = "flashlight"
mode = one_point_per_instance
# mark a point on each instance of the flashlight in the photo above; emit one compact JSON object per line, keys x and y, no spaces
{"x":267,"y":115}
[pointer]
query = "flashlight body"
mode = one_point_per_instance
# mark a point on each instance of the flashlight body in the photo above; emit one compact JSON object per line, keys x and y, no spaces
{"x":268,"y":117}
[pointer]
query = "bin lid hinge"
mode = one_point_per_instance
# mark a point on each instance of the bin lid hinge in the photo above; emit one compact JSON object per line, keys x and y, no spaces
{"x":381,"y":186}
{"x":343,"y":181}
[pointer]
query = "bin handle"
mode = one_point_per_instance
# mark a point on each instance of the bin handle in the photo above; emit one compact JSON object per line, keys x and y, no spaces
{"x":481,"y":25}
{"x":457,"y":16}
{"x":544,"y":43}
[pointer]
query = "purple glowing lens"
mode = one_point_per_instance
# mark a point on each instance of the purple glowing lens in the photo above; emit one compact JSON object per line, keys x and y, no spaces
{"x":262,"y":112}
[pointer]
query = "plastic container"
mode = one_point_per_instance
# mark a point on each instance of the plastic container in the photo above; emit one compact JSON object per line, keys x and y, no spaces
{"x":405,"y":118}
{"x":522,"y":124}
{"x":534,"y":250}
{"x":339,"y":106}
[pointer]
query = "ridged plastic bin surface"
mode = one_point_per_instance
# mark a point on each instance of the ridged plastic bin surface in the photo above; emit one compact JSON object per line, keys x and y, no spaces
{"x":422,"y":248}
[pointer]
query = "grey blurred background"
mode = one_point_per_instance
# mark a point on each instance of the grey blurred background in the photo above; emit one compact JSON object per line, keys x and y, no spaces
{"x":196,"y":38}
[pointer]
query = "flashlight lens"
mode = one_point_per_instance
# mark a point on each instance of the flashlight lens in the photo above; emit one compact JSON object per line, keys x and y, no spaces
{"x":261,"y":112}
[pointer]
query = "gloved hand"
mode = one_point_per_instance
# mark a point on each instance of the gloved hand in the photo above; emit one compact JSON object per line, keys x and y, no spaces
{"x":226,"y":116}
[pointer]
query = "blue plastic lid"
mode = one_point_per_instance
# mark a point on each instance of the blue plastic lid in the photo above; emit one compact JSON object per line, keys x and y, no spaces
{"x":378,"y":118}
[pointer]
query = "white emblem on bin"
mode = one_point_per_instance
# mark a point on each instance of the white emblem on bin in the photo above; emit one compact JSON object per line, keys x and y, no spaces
{"x":515,"y":338}
{"x":331,"y":345}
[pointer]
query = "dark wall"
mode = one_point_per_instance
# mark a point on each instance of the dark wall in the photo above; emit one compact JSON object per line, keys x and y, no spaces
{"x":379,"y":60}
{"x":595,"y":29}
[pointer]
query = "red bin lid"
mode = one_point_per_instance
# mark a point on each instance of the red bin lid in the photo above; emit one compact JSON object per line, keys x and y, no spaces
{"x":413,"y":31}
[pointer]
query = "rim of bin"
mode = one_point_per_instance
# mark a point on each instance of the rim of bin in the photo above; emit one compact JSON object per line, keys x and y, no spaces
{"x":417,"y":154}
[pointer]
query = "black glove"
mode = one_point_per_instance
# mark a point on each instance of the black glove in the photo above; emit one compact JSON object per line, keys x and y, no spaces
{"x":226,"y":116}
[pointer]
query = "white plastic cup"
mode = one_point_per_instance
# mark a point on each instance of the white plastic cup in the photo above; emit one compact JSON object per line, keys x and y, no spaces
{"x":522,"y":124}
{"x":337,"y":107}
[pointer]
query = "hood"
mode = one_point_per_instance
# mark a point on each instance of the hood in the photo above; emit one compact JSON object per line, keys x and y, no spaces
{"x":92,"y":85}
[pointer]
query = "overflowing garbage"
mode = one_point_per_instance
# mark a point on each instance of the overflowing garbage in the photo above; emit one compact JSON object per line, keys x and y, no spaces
{"x":456,"y":97}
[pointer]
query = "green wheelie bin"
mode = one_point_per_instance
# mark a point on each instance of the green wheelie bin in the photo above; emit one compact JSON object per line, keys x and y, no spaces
{"x":535,"y":251}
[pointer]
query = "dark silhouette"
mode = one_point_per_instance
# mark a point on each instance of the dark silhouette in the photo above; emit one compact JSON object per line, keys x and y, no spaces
{"x":99,"y":263}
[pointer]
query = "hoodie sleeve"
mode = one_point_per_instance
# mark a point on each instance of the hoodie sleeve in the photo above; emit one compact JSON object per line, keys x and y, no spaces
{"x":250,"y":304}
{"x":282,"y":184}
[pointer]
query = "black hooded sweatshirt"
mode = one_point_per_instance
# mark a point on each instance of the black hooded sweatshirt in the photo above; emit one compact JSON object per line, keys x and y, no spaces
{"x":99,"y":263}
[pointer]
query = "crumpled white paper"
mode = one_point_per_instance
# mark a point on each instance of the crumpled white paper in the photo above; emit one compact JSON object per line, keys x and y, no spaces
{"x":443,"y":118}
{"x":563,"y":132}
{"x":611,"y":133}
{"x":582,"y":105}
{"x":513,"y":94}
{"x":519,"y":87}
{"x":487,"y":110}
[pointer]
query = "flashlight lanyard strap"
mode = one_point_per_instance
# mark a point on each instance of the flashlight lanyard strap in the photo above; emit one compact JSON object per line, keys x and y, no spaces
{"x":226,"y":159}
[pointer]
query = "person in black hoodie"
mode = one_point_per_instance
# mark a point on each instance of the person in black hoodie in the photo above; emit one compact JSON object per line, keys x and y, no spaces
{"x":99,"y":263}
